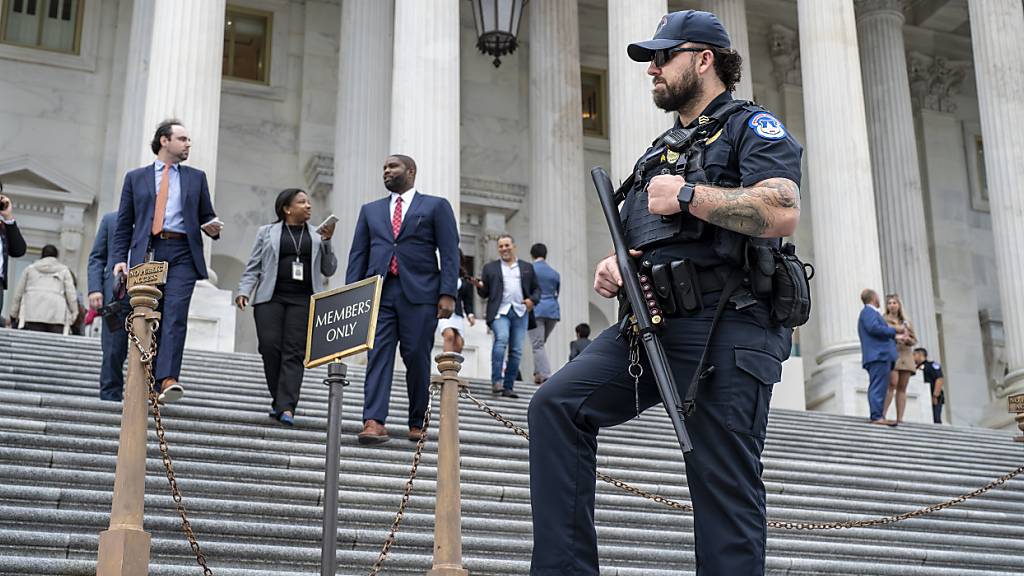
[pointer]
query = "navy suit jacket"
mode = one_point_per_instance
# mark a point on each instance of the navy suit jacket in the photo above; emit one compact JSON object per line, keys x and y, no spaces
{"x":428,"y":226}
{"x":135,"y":215}
{"x":877,"y":338}
{"x":101,"y":258}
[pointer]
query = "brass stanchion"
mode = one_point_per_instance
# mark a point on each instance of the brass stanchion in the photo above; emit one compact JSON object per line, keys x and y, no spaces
{"x":124,"y":547}
{"x":448,"y":512}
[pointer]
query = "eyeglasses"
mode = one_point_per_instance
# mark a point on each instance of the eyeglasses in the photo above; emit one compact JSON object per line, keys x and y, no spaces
{"x":661,"y":57}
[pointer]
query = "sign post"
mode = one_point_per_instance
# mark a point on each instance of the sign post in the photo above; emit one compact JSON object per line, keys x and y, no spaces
{"x":1017,"y":407}
{"x":124,"y":546}
{"x":342,"y":322}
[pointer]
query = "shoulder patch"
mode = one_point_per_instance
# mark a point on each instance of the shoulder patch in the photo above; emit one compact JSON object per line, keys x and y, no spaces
{"x":936,"y":366}
{"x":767,"y":126}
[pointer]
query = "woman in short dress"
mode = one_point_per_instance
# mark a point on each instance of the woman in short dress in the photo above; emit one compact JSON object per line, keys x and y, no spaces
{"x":905,"y":367}
{"x":454,"y":326}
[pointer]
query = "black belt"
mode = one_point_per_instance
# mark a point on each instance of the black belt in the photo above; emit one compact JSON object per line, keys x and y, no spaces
{"x":168,"y":235}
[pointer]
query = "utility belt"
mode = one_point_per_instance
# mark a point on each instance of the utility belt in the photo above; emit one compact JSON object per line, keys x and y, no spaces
{"x":677,"y":289}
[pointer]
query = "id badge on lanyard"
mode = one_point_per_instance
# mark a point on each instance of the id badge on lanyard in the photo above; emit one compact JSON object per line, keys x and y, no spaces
{"x":297,"y":273}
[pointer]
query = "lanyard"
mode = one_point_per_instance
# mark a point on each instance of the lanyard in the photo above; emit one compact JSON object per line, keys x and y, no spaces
{"x":294,"y":242}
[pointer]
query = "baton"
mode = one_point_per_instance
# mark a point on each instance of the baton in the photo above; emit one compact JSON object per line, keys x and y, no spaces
{"x":631,"y":283}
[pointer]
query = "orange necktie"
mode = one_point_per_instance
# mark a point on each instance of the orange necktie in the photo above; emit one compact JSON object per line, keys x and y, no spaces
{"x":161,"y":201}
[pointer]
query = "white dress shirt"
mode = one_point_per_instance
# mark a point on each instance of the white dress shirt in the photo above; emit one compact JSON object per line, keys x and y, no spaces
{"x":512,"y":292}
{"x":407,"y":197}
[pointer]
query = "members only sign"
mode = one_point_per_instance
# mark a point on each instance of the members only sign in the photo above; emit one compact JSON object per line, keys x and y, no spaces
{"x":342,"y":321}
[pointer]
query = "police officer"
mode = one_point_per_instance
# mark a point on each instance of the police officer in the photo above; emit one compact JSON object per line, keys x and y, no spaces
{"x":936,"y":380}
{"x":695,"y":208}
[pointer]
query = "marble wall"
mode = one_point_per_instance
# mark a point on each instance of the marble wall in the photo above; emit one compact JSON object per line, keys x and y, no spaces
{"x":53,"y":111}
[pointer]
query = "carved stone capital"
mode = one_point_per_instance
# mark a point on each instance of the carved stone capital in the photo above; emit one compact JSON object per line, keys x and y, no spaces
{"x":320,"y":176}
{"x":935,"y":81}
{"x":868,"y":7}
{"x":784,"y":47}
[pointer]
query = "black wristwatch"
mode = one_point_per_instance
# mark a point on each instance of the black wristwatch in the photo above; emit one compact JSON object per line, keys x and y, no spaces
{"x":685,"y":196}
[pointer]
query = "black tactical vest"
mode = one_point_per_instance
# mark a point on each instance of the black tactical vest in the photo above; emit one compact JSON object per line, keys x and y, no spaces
{"x":682,"y":151}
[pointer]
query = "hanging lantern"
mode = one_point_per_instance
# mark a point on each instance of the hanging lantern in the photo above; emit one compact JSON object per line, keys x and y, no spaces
{"x":497,"y":26}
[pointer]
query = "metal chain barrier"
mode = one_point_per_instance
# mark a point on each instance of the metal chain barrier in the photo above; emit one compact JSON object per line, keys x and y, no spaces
{"x":883,"y":521}
{"x":147,"y":362}
{"x":400,"y":515}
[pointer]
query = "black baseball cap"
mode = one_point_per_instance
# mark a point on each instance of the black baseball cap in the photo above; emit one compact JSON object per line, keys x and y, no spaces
{"x":678,"y":28}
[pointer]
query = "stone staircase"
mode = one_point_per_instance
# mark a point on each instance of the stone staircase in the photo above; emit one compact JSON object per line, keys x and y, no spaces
{"x":254,"y":488}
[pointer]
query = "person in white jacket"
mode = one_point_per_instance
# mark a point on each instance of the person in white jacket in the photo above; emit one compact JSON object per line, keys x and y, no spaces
{"x":45,"y":299}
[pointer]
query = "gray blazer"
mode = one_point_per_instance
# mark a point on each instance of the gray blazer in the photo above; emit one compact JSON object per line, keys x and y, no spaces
{"x":260,"y":274}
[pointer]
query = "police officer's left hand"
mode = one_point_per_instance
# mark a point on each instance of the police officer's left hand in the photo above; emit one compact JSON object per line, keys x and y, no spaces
{"x":663,"y":194}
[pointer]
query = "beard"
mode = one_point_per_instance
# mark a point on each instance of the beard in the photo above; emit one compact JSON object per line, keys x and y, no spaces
{"x":680,"y":94}
{"x":396,"y":184}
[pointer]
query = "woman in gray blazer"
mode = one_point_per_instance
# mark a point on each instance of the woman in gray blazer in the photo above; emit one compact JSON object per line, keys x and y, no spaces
{"x":290,"y":261}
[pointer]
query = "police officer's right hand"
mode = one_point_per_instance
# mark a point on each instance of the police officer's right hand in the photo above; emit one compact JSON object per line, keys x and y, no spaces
{"x":607,"y":279}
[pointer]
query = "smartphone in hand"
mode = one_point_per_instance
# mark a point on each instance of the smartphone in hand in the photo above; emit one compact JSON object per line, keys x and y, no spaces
{"x":327,"y":222}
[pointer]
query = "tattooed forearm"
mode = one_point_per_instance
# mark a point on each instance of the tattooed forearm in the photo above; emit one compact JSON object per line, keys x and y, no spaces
{"x":770,"y":208}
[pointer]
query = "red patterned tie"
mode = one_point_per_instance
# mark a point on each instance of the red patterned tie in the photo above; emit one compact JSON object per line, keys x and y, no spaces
{"x":396,"y":225}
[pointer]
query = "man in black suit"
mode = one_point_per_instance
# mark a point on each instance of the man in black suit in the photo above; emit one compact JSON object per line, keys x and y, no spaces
{"x":511,"y":289}
{"x":12,"y":244}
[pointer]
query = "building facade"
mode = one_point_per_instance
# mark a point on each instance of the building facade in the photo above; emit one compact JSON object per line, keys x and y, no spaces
{"x":904,"y":108}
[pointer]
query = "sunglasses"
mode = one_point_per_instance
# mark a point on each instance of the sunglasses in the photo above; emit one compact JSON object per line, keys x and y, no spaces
{"x":661,"y":57}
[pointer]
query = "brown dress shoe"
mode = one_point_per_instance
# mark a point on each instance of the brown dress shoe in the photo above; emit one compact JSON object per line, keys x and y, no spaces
{"x":415,"y":432}
{"x":171,"y":391}
{"x":373,"y":433}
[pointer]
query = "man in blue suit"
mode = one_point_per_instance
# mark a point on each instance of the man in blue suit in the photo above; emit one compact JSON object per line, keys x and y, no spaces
{"x":546,"y":313}
{"x":164,"y":206}
{"x":878,"y":352}
{"x":398,"y":237}
{"x":101,"y":292}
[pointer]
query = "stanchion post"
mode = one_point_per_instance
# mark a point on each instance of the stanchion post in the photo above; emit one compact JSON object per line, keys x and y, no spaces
{"x":448,"y":512}
{"x":336,"y":382}
{"x":124,"y":547}
{"x":1017,"y":408}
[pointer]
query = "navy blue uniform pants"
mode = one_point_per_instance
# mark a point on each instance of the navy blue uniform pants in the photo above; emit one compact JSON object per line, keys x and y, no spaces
{"x":723,"y":470}
{"x":411,"y":326}
{"x":181,"y":281}
{"x":114,"y":344}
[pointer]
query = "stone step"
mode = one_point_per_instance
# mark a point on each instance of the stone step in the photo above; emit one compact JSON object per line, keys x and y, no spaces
{"x":254,"y":488}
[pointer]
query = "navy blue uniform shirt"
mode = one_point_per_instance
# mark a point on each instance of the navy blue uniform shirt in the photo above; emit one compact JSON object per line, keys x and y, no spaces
{"x":932,"y":372}
{"x":751,"y":146}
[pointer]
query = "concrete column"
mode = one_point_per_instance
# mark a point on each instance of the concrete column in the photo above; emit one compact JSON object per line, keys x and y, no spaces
{"x":999,"y":72}
{"x":906,"y":267}
{"x":127,"y":100}
{"x":363,"y":114}
{"x":557,"y":201}
{"x":425,"y":94}
{"x":633,"y":119}
{"x":733,"y":14}
{"x":184,"y":78}
{"x":839,"y":171}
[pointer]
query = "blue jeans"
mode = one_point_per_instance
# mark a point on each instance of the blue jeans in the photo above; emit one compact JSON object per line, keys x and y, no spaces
{"x":878,"y":375}
{"x":509,"y":332}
